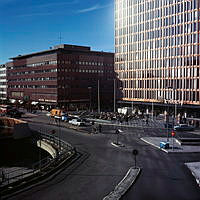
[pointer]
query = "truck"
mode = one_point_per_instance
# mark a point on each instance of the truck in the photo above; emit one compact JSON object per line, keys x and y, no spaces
{"x":56,"y":113}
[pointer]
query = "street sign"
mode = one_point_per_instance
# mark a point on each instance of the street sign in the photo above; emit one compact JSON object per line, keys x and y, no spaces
{"x":135,"y":152}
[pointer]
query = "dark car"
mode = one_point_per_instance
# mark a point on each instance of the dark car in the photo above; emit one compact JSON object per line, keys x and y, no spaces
{"x":14,"y":113}
{"x":183,"y":127}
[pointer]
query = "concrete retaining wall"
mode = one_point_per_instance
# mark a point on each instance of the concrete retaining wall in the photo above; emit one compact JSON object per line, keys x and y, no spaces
{"x":47,"y":147}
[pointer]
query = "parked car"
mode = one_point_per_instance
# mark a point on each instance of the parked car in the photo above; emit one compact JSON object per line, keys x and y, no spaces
{"x":77,"y":122}
{"x":14,"y":113}
{"x":183,"y":127}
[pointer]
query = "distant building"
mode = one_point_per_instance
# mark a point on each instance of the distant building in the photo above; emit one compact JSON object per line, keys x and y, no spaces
{"x":66,"y":75}
{"x":3,"y":82}
{"x":157,"y":46}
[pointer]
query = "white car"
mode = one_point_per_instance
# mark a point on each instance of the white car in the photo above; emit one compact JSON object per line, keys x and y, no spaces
{"x":76,"y":122}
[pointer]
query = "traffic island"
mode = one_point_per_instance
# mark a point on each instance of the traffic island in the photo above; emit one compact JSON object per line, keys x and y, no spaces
{"x":117,"y":144}
{"x":195,"y":169}
{"x":124,"y":184}
{"x":174,"y":145}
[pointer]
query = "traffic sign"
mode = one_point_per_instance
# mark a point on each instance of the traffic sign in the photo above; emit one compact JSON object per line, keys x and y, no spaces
{"x":135,"y":152}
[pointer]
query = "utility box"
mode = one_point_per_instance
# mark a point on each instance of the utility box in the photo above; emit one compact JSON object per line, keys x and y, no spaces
{"x":164,"y":145}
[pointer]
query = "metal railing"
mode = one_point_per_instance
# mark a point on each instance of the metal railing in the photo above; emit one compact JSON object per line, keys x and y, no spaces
{"x":64,"y":150}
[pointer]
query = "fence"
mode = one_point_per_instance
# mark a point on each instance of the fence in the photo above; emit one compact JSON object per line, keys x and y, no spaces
{"x":64,"y":151}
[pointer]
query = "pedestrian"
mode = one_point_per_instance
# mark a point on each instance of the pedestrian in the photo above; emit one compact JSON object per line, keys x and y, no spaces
{"x":93,"y":130}
{"x":147,"y":121}
{"x":100,"y":128}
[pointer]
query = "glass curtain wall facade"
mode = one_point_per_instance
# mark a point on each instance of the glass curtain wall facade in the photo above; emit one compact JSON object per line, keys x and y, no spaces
{"x":157,"y":46}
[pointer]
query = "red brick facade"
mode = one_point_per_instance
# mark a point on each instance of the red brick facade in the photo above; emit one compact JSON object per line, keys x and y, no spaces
{"x":65,"y":75}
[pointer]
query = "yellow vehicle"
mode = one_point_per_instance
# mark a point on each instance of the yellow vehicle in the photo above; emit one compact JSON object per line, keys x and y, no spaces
{"x":56,"y":112}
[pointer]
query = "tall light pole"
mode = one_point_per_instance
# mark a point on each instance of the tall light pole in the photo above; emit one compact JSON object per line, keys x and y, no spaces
{"x":175,"y":106}
{"x":152,"y":109}
{"x":114,"y":95}
{"x":90,"y":96}
{"x":99,"y":109}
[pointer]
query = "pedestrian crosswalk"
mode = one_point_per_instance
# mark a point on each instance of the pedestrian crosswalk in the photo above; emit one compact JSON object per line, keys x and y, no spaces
{"x":141,"y":123}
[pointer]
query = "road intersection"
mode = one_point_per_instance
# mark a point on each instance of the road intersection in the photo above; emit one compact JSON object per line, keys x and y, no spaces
{"x":163,"y":176}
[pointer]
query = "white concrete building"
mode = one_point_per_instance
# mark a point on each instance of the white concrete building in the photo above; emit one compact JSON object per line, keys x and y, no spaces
{"x":3,"y":82}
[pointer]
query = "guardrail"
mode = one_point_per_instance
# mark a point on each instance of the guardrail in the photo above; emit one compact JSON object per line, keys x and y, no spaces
{"x":64,"y":151}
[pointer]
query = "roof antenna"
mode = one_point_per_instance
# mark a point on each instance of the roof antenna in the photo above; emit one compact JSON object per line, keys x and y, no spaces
{"x":60,"y":38}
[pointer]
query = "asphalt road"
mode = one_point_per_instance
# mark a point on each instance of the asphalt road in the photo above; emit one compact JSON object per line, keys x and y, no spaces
{"x":102,"y":166}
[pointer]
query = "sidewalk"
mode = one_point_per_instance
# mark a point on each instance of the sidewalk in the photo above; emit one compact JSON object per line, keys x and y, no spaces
{"x":155,"y":141}
{"x":195,"y":169}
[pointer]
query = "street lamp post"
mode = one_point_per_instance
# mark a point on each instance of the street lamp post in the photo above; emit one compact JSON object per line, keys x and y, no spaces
{"x":152,"y":109}
{"x":99,"y":109}
{"x":90,"y":96}
{"x":175,"y":106}
{"x":117,"y":132}
{"x":167,"y":119}
{"x":114,"y":100}
{"x":135,"y":153}
{"x":58,"y":124}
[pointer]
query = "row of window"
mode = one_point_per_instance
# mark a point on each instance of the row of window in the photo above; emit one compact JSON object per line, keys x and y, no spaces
{"x":44,"y":94}
{"x":33,"y":86}
{"x":2,"y":78}
{"x":159,"y":64}
{"x":85,"y":71}
{"x":167,"y":20}
{"x":143,"y":24}
{"x":3,"y":72}
{"x":189,"y":84}
{"x":164,"y":73}
{"x":55,"y":62}
{"x":126,"y":44}
{"x":34,"y":79}
{"x":180,"y":54}
{"x":32,"y":72}
{"x":156,"y":33}
{"x":169,"y":8}
{"x":179,"y":97}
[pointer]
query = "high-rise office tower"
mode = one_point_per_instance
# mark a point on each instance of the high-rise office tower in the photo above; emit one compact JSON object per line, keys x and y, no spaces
{"x":157,"y":46}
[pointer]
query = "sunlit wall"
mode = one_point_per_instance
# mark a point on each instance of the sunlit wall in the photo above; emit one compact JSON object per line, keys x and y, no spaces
{"x":157,"y":46}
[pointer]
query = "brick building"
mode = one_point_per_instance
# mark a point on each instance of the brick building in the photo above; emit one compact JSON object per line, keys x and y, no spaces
{"x":65,"y":75}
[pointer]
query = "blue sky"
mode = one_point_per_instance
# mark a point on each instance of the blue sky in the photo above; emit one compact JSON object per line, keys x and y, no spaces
{"x":28,"y":26}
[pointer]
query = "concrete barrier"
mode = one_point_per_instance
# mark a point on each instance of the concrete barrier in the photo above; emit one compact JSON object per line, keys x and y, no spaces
{"x":14,"y":128}
{"x":45,"y":145}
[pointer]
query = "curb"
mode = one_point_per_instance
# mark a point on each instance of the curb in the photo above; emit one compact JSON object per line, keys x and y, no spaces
{"x":118,"y":146}
{"x":166,"y":151}
{"x":155,"y":145}
{"x":124,"y":185}
{"x":194,"y":174}
{"x":73,"y":128}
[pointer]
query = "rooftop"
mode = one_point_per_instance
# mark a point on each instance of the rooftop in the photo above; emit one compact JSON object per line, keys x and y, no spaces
{"x":66,"y":47}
